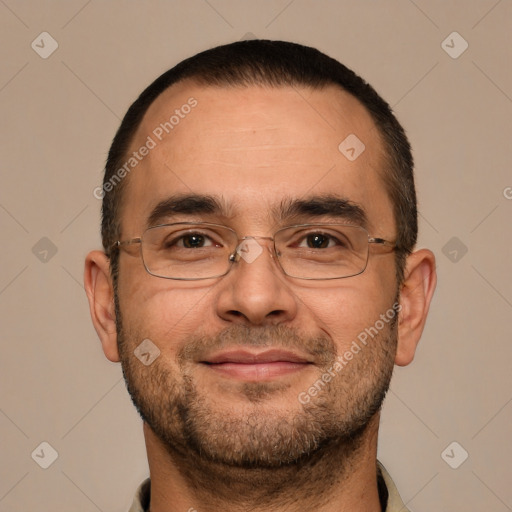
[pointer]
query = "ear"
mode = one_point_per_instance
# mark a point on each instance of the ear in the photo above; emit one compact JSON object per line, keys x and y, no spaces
{"x":100,"y":293}
{"x":415,"y":295}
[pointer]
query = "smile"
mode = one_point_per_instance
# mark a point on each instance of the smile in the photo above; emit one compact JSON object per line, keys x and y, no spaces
{"x":249,"y":366}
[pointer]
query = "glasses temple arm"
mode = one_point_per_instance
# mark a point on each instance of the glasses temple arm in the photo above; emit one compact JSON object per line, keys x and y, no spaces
{"x":381,"y":241}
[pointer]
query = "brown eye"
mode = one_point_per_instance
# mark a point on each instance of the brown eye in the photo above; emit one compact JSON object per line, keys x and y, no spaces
{"x":193,"y":241}
{"x":317,"y":241}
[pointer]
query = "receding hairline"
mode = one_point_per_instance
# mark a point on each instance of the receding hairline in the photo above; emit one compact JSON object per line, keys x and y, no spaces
{"x":189,"y":83}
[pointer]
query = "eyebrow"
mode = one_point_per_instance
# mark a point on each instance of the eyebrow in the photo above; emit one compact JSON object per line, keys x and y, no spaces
{"x":326,"y":205}
{"x":289,"y":209}
{"x":187,"y":204}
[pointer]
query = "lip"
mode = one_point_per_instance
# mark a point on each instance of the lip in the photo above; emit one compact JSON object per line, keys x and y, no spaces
{"x":246,"y":357}
{"x":249,"y":366}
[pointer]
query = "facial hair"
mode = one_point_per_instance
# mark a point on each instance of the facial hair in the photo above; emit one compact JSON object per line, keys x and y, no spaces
{"x":275,"y":445}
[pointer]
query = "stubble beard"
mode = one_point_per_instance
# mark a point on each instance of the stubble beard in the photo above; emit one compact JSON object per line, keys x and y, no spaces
{"x":258,"y":446}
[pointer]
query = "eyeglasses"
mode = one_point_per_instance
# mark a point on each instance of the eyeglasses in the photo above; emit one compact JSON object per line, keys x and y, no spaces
{"x":192,"y":251}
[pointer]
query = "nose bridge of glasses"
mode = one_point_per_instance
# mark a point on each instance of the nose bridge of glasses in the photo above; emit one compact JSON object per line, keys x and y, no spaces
{"x":249,"y":248}
{"x":257,"y":237}
{"x":269,"y":244}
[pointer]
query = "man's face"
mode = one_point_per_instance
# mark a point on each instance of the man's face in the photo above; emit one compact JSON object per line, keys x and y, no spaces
{"x":250,"y":149}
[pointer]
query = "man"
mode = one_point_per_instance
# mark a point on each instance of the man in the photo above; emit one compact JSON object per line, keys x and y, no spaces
{"x":258,"y":281}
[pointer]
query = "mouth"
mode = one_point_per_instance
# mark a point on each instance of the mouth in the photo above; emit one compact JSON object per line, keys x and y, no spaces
{"x":245,"y":365}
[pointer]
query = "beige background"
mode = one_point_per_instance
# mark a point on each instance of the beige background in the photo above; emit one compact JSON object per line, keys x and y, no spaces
{"x":58,"y":118}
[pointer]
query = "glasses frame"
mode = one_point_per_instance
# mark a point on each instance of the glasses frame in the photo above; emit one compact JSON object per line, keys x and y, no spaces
{"x":235,"y":256}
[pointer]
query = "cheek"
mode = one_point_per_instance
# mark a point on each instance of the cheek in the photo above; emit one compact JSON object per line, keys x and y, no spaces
{"x":345,"y":310}
{"x":164,"y":311}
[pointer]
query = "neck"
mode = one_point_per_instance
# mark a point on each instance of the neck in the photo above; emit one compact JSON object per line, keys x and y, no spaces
{"x":335,"y":478}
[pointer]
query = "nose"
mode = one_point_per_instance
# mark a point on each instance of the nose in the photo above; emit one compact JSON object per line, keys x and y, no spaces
{"x":256,"y":291}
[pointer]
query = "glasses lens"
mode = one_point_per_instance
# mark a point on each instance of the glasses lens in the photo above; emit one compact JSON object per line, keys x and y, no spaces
{"x":191,"y":251}
{"x":329,"y":251}
{"x":188,"y":251}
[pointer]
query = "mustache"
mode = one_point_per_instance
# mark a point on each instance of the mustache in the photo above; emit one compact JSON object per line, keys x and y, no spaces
{"x":321,"y":348}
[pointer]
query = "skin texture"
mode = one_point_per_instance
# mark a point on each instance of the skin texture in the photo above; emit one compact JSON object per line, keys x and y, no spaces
{"x":216,"y":442}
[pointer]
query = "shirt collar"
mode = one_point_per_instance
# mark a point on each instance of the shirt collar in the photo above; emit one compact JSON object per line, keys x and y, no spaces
{"x":394,"y":501}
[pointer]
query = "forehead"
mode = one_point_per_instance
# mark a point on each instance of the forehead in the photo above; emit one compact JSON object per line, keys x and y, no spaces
{"x":253,"y":147}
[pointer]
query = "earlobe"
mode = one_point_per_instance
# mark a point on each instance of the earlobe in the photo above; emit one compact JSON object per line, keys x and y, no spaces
{"x":100,"y":293}
{"x":415,"y":297}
